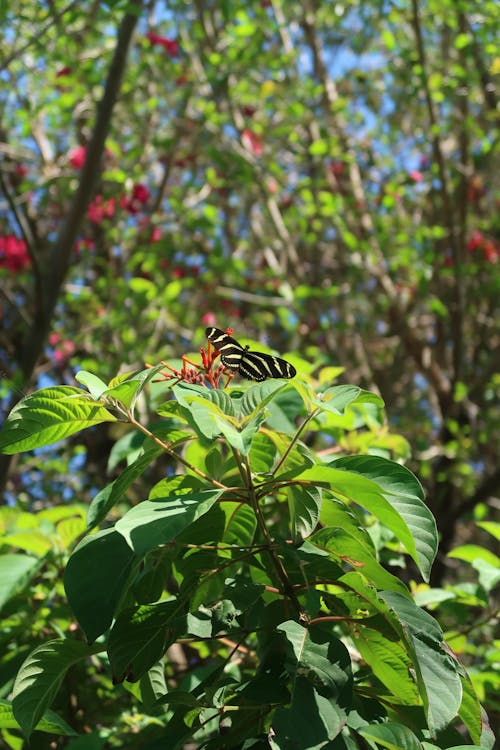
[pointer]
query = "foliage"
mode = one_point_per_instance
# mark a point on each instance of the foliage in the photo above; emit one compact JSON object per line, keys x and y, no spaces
{"x":321,"y":176}
{"x":262,"y":558}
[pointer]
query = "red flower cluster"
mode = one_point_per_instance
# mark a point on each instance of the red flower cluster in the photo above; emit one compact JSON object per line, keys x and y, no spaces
{"x":133,"y":203}
{"x":478,"y":243}
{"x":171,"y":45}
{"x":77,"y":157}
{"x":14,"y":253}
{"x":252,"y":142}
{"x":100,"y":209}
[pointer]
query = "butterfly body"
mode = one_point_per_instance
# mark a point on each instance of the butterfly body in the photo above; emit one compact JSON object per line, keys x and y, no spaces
{"x":251,"y":365}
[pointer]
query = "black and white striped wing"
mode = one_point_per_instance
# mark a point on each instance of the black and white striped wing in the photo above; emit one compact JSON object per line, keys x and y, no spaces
{"x":230,"y":351}
{"x":251,"y":365}
{"x":259,"y":366}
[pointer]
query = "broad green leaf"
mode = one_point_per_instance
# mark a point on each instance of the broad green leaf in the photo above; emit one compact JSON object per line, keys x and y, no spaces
{"x":304,"y":504}
{"x":349,"y":548}
{"x":16,"y":571}
{"x":400,"y":514}
{"x":95,"y":580}
{"x":241,"y":439}
{"x":391,"y":735}
{"x":437,"y":672}
{"x":187,"y":393}
{"x":153,"y":686}
{"x":40,"y":677}
{"x":492,"y":527}
{"x":50,"y":415}
{"x":107,"y":497}
{"x":258,"y":396}
{"x":159,"y":521}
{"x":240,"y":523}
{"x":404,"y":492}
{"x":472,"y":552}
{"x":29,"y":541}
{"x":140,"y":637}
{"x":320,"y":668}
{"x":470,"y":709}
{"x":336,"y":398}
{"x":50,"y":722}
{"x":94,"y":385}
{"x":262,"y":453}
{"x":390,"y":663}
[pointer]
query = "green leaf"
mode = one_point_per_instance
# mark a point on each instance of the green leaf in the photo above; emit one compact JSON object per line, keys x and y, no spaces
{"x":16,"y":571}
{"x":337,"y":398}
{"x":354,"y":550}
{"x":50,"y":721}
{"x":50,"y":415}
{"x":257,"y":397}
{"x":470,"y":709}
{"x":392,"y":494}
{"x":159,"y":521}
{"x":320,"y":668}
{"x":140,"y":637}
{"x":304,"y":504}
{"x":107,"y":497}
{"x":94,"y":385}
{"x":391,"y":735}
{"x":40,"y":677}
{"x":95,"y":580}
{"x":436,"y":670}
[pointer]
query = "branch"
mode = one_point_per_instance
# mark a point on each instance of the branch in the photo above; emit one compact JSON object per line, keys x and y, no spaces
{"x":457,"y":332}
{"x":58,"y":263}
{"x":61,"y":253}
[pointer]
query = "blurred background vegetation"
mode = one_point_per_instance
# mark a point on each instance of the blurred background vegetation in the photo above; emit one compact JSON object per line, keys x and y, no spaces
{"x":321,"y":176}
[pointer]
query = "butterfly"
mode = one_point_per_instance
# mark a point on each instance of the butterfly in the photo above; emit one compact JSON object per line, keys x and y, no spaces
{"x":251,"y":365}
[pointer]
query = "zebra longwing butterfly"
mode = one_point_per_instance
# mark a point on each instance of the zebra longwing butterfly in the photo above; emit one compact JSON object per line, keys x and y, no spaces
{"x":251,"y":365}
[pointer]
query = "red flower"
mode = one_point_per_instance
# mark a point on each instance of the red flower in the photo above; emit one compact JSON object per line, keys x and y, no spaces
{"x":133,"y":203}
{"x":491,"y":252}
{"x":171,"y":45}
{"x":252,"y":142}
{"x":83,"y":244}
{"x":77,"y":157}
{"x":336,"y":168}
{"x":100,"y":209}
{"x":475,"y":240}
{"x":13,"y":253}
{"x":63,"y":72}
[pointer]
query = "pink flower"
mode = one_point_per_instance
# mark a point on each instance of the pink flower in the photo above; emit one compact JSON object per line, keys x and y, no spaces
{"x":155,"y":235}
{"x":14,"y":253}
{"x":171,"y":45}
{"x":54,"y":339}
{"x":77,"y":157}
{"x":252,"y":142}
{"x":415,"y":175}
{"x":64,"y":352}
{"x":208,"y":319}
{"x":272,"y":185}
{"x":100,"y":209}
